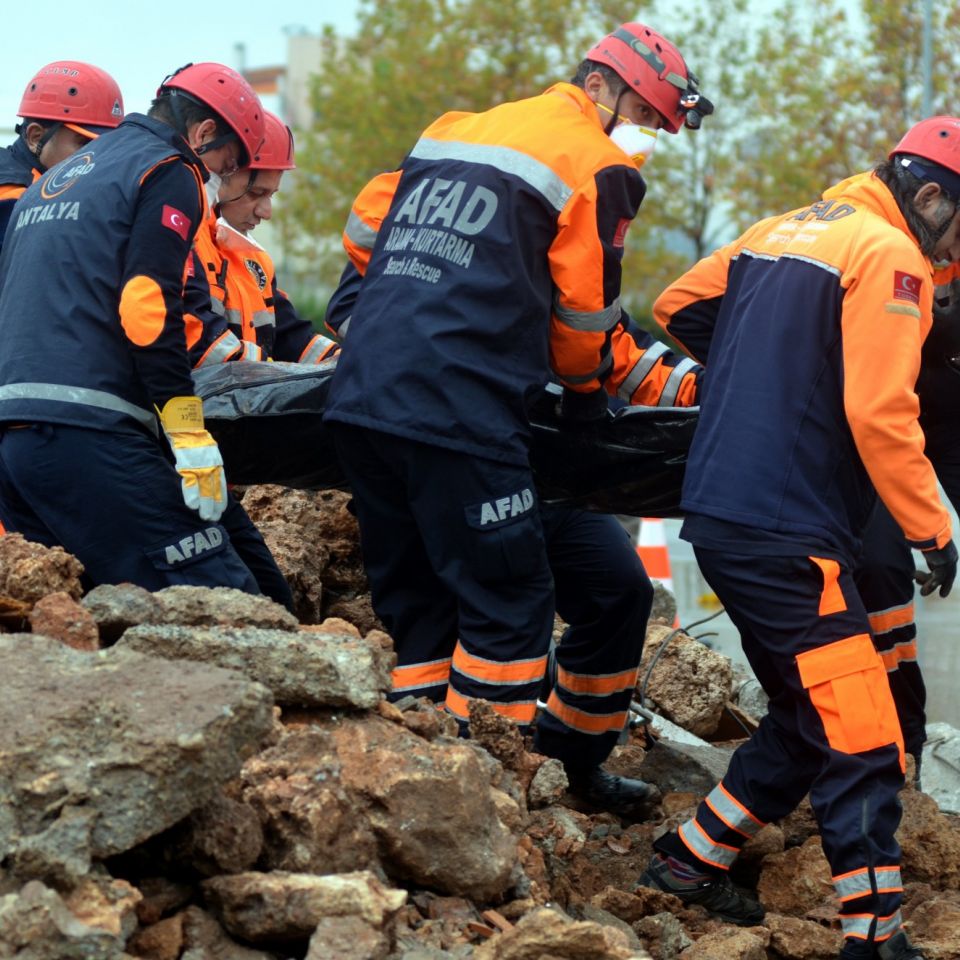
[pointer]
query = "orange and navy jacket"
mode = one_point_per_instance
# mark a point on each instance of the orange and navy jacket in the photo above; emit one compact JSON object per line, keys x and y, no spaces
{"x":810,"y":326}
{"x":243,"y":315}
{"x":491,"y":257}
{"x":91,"y":313}
{"x":18,"y":169}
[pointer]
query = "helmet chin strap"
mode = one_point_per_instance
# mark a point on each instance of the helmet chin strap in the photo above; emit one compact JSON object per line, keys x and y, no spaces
{"x":48,"y":134}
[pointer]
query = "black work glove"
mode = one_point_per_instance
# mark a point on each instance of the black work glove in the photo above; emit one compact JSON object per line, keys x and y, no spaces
{"x":943,"y":569}
{"x":583,"y":408}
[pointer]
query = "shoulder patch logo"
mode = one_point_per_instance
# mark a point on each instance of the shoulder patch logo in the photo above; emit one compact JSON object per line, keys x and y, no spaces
{"x":906,"y":286}
{"x":176,"y":220}
{"x":257,"y":272}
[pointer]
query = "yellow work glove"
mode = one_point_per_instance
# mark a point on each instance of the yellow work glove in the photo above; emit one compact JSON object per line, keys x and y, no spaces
{"x":197,"y":455}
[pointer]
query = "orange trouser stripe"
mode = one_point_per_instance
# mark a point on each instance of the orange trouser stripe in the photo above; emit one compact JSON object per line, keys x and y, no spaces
{"x":497,"y":672}
{"x":585,"y":722}
{"x":597,"y":685}
{"x":831,"y":599}
{"x":901,"y":652}
{"x":520,"y":711}
{"x":421,"y":674}
{"x":886,"y":620}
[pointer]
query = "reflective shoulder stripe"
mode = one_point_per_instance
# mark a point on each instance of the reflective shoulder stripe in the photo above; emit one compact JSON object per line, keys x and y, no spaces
{"x":224,"y":347}
{"x":316,"y":349}
{"x":593,"y":321}
{"x":217,"y":305}
{"x":233,"y":316}
{"x":640,"y":370}
{"x":81,"y":396}
{"x":732,"y":813}
{"x":264,"y":318}
{"x":671,"y":388}
{"x":701,"y":846}
{"x":360,"y":233}
{"x":505,"y":159}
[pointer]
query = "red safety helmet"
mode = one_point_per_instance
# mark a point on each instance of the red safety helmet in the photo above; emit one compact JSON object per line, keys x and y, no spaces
{"x":652,"y":66}
{"x":276,"y":151}
{"x":936,"y":139}
{"x":225,"y":92}
{"x":79,"y":95}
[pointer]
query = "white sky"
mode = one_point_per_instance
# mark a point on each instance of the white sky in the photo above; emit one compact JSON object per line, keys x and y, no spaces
{"x":140,"y":43}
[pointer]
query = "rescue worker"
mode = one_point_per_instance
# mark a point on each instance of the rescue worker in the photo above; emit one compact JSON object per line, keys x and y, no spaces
{"x":885,"y":574}
{"x":254,"y":319}
{"x":604,"y":595}
{"x":489,"y":259}
{"x":803,"y":422}
{"x":65,"y":105}
{"x":102,"y":447}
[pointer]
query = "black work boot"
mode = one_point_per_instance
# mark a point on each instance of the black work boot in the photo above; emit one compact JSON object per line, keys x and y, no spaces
{"x":898,"y":947}
{"x":716,"y":894}
{"x":607,"y":791}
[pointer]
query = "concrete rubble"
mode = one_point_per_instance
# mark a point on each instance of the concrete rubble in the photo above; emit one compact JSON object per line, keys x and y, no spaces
{"x":198,"y":774}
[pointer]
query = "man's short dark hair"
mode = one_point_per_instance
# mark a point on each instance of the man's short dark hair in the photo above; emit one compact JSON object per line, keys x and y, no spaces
{"x":613,"y":79}
{"x":904,"y":186}
{"x":186,"y":113}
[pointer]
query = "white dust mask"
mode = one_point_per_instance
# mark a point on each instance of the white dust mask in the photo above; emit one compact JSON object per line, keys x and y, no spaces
{"x":212,"y":186}
{"x":635,"y":141}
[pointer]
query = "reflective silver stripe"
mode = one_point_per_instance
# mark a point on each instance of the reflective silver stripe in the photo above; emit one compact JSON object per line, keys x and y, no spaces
{"x":360,"y":233}
{"x":505,"y":159}
{"x":790,"y":256}
{"x":596,"y":321}
{"x":719,"y":855}
{"x":640,"y":369}
{"x":672,"y":387}
{"x":225,"y":346}
{"x":264,"y":318}
{"x":217,"y":306}
{"x":854,"y":885}
{"x":597,"y":374}
{"x":344,"y":327}
{"x":250,"y":351}
{"x":316,"y":348}
{"x":902,"y":657}
{"x":418,"y":666}
{"x":615,"y":721}
{"x":883,"y":613}
{"x":858,"y":925}
{"x":731,"y":813}
{"x":81,"y":396}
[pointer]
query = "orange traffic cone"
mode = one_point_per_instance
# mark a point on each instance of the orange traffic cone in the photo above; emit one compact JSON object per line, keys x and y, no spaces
{"x":653,"y":552}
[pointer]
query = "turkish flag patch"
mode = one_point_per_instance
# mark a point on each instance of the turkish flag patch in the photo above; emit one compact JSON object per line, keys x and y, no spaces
{"x":176,"y":220}
{"x":906,"y":286}
{"x":621,"y":232}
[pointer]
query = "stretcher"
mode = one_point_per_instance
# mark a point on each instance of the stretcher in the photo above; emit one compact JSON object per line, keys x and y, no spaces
{"x":267,"y":419}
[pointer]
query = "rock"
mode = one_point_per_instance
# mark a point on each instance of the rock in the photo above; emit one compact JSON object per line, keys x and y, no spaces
{"x":205,"y":939}
{"x":663,"y":935}
{"x":107,"y":749}
{"x":347,"y":938}
{"x":282,"y":906}
{"x":549,"y":784}
{"x":35,"y":924}
{"x":187,"y":606}
{"x":116,"y":606}
{"x":316,"y":542}
{"x":363,"y":791}
{"x":935,"y":926}
{"x":358,"y":610}
{"x":104,"y":903}
{"x":160,"y":897}
{"x":307,"y":669}
{"x":929,"y":841}
{"x":548,"y":934}
{"x":941,"y":766}
{"x":798,"y":939}
{"x":730,"y":944}
{"x":796,"y":881}
{"x":685,"y":768}
{"x":689,"y":684}
{"x":160,"y":941}
{"x":60,"y":617}
{"x":664,"y":606}
{"x":223,"y":836}
{"x":30,"y":571}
